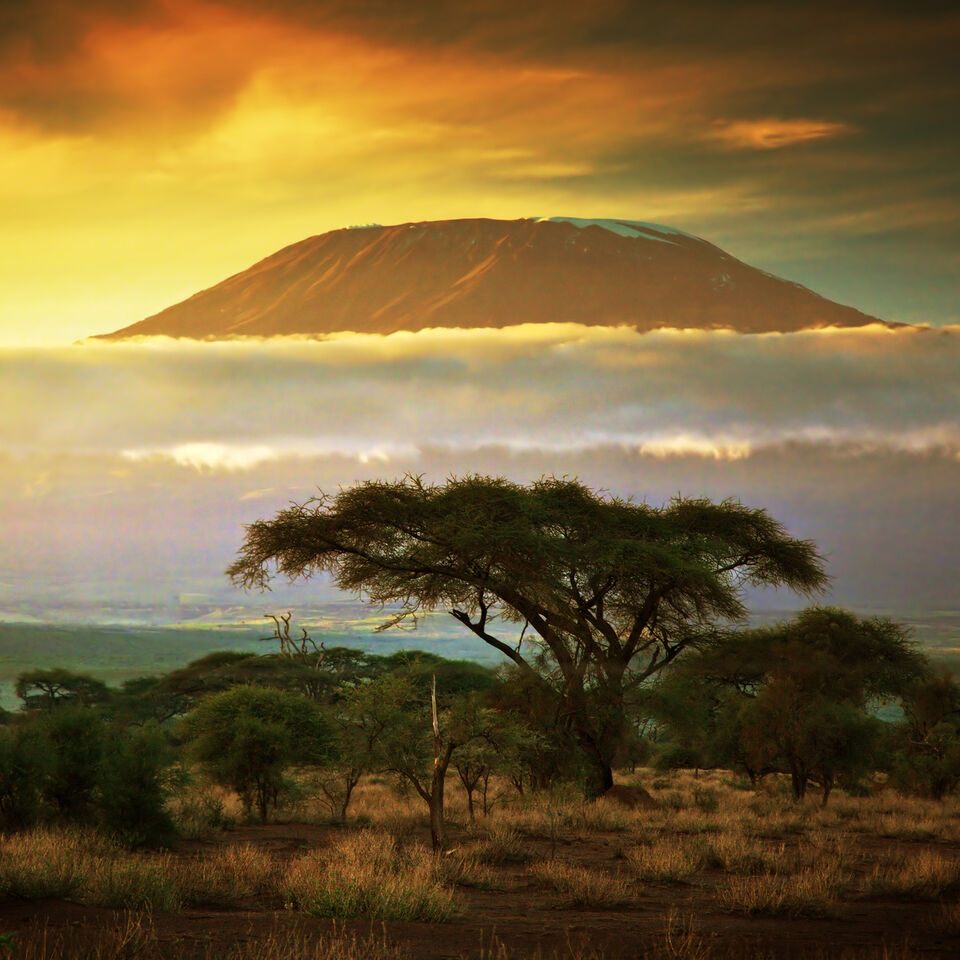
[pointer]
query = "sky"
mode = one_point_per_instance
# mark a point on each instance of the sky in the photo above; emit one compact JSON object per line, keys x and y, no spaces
{"x":150,"y":148}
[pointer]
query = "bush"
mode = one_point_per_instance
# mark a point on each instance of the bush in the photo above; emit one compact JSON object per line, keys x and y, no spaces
{"x":73,"y":738}
{"x":247,"y":737}
{"x":23,"y":767}
{"x":132,"y":790}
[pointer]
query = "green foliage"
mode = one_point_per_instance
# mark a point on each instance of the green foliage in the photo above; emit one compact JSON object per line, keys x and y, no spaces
{"x":43,"y":689}
{"x":133,"y":789}
{"x":793,"y":698}
{"x":927,"y":743}
{"x":247,"y":737}
{"x":73,"y":739}
{"x":23,"y":769}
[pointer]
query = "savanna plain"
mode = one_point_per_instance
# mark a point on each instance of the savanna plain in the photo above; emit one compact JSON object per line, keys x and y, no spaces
{"x":709,"y":868}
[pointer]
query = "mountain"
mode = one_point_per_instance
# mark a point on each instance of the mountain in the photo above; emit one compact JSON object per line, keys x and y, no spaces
{"x":496,"y":273}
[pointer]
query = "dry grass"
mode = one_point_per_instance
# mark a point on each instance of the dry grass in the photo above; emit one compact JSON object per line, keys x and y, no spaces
{"x":498,"y":843}
{"x":812,"y":891}
{"x":226,"y":877}
{"x":753,"y":853}
{"x":46,"y":864}
{"x":134,"y":937}
{"x":579,"y":886}
{"x":370,"y":874}
{"x":665,"y":861}
{"x":920,"y":875}
{"x":133,"y":884}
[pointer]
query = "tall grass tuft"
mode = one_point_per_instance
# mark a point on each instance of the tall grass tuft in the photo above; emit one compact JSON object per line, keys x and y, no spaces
{"x":223,"y":879}
{"x":925,"y":875}
{"x":133,"y":884}
{"x":370,"y":874}
{"x":583,"y":887}
{"x":810,"y":892}
{"x":45,"y":864}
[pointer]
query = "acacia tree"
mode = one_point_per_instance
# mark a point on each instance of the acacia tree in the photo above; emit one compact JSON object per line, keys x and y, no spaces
{"x":610,"y":590}
{"x":796,"y":697}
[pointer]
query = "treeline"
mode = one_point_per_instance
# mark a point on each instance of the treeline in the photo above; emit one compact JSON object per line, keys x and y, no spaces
{"x":826,"y":699}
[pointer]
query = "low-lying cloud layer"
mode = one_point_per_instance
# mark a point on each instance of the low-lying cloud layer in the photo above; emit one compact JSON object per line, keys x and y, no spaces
{"x":132,"y":466}
{"x":553,"y":388}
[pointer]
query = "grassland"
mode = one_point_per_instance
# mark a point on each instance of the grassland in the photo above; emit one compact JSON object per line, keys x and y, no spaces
{"x":713,"y":870}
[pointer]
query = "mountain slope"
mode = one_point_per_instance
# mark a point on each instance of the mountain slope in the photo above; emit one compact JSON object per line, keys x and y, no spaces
{"x":495,"y":273}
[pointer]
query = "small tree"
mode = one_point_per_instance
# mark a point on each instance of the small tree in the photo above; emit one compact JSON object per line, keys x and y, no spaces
{"x":802,"y":691}
{"x":927,"y":743}
{"x":133,"y":790}
{"x":248,"y":737}
{"x":73,"y":738}
{"x":43,"y":689}
{"x":417,"y":737}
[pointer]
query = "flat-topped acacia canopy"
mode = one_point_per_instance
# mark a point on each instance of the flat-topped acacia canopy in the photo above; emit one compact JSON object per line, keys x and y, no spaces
{"x":612,"y":590}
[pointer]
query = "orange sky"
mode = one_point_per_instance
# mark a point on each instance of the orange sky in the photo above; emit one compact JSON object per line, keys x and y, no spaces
{"x":148,"y":149}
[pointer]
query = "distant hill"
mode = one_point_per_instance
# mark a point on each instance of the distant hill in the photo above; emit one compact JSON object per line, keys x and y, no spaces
{"x":496,"y":273}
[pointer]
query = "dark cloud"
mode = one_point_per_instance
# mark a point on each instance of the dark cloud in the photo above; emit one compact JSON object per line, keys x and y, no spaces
{"x":671,"y":104}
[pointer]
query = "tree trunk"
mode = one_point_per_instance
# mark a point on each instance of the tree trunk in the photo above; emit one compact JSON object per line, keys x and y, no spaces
{"x":349,"y":784}
{"x":599,"y":770}
{"x":798,"y":780}
{"x":438,"y":830}
{"x":827,"y":787}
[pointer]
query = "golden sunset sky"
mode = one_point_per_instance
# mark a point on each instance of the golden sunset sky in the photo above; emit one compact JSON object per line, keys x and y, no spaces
{"x":149,"y":148}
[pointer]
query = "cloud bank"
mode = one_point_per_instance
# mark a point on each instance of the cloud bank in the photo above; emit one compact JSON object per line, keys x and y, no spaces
{"x":553,"y":388}
{"x":129,"y":468}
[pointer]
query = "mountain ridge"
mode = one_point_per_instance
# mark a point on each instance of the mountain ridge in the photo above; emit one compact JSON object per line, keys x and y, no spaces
{"x":495,"y":273}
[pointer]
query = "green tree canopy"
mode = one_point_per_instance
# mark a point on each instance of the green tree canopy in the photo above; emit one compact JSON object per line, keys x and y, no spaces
{"x":42,"y":689}
{"x":792,"y":697}
{"x":612,"y":590}
{"x":247,"y":737}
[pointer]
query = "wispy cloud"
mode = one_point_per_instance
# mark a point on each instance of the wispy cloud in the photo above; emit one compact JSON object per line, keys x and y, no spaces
{"x":773,"y":133}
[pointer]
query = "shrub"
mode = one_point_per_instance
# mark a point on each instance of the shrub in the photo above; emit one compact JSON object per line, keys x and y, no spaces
{"x":74,"y":740}
{"x":248,"y":736}
{"x":132,"y":790}
{"x":23,"y":767}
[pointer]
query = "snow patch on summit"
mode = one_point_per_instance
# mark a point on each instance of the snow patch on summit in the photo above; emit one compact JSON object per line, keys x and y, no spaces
{"x":626,"y":228}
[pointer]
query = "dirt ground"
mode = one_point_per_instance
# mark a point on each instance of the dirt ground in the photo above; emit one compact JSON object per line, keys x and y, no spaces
{"x":523,"y":920}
